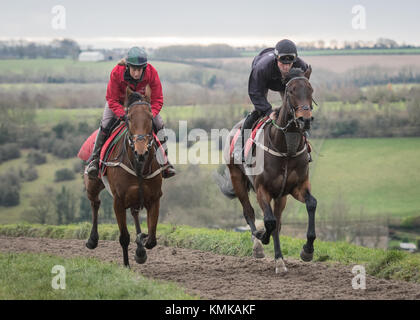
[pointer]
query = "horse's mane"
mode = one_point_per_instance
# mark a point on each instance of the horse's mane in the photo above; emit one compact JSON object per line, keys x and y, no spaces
{"x":133,"y":97}
{"x":294,"y":73}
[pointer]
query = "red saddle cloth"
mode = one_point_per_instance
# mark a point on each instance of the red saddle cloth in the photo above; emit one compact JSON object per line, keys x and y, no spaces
{"x":248,"y":143}
{"x":87,"y":148}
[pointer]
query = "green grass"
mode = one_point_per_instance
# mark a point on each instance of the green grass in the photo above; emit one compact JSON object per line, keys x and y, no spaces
{"x":46,"y":118}
{"x":339,"y":105}
{"x":27,"y":276}
{"x":394,"y":87}
{"x":90,"y":71}
{"x":388,"y":264}
{"x":377,"y":175}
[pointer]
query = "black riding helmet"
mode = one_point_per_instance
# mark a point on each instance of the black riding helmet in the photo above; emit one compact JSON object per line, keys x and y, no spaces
{"x":285,"y":51}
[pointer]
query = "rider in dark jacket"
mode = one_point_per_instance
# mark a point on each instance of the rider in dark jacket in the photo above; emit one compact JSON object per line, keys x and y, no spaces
{"x":269,"y":70}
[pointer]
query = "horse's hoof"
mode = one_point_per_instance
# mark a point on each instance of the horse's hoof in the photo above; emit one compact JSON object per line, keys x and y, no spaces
{"x":306,"y":256}
{"x":265,"y":239}
{"x":90,"y":244}
{"x":258,"y":250}
{"x":150,"y":244}
{"x":258,"y":234}
{"x":141,"y":259}
{"x":280,"y":267}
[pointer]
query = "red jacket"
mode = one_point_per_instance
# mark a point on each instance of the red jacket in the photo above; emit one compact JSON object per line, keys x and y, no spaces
{"x":115,"y":93}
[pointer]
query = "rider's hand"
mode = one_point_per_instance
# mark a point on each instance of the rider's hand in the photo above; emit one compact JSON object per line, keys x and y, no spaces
{"x":273,"y":115}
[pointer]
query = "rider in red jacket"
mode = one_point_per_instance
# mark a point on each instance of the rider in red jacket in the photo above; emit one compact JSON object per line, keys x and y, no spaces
{"x":135,"y":72}
{"x":121,"y":78}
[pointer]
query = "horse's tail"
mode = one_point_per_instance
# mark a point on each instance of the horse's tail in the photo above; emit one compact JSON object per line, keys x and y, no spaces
{"x":225,"y":183}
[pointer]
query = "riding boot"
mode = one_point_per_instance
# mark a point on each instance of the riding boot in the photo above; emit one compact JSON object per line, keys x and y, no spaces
{"x":170,"y":171}
{"x":93,"y":166}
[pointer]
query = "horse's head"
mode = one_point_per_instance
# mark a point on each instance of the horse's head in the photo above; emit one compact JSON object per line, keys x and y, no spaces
{"x":298,"y":97}
{"x":139,"y":123}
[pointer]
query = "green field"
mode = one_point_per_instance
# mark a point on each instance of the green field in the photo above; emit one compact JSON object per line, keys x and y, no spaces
{"x":49,"y":117}
{"x":26,"y":276}
{"x":379,"y":176}
{"x":20,"y":66}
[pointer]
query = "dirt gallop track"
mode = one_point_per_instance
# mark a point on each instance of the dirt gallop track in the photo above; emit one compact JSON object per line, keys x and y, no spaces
{"x":213,"y":276}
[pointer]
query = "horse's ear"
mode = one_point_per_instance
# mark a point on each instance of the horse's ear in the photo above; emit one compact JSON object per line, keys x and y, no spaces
{"x":128,"y":91}
{"x":148,"y":93}
{"x":308,"y":72}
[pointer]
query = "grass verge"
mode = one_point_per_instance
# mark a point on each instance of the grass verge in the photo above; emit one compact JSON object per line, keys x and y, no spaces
{"x":29,"y":276}
{"x":388,"y":264}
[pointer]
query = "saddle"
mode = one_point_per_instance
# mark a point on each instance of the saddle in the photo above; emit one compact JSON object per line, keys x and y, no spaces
{"x":249,"y":144}
{"x":117,"y":134}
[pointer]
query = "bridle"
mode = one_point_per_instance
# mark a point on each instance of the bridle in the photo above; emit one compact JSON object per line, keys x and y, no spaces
{"x":133,"y":138}
{"x":291,"y":109}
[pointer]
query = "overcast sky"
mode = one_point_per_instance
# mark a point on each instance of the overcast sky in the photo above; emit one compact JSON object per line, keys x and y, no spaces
{"x":150,"y":23}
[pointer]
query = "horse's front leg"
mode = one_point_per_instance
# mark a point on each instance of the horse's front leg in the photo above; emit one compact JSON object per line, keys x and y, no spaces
{"x":304,"y":195}
{"x":279,"y":205}
{"x":93,"y":188}
{"x":307,"y":252}
{"x":141,"y":255}
{"x":152,"y":221}
{"x":264,"y":200}
{"x":120,"y":214}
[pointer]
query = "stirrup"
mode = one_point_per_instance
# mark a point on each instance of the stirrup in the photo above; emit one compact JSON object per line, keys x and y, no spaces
{"x":168,"y":173}
{"x":93,"y":169}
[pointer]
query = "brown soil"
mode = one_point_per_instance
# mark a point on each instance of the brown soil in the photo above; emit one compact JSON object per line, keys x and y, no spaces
{"x":213,"y":276}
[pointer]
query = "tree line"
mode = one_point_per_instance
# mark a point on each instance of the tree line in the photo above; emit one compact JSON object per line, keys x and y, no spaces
{"x":57,"y":49}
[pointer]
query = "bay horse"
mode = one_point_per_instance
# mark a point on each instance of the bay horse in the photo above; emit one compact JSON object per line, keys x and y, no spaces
{"x":285,"y":170}
{"x":135,"y":150}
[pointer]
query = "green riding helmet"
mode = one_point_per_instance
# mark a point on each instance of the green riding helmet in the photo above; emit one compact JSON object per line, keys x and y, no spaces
{"x":136,"y":57}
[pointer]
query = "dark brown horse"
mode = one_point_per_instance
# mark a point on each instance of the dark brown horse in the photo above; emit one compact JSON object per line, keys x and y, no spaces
{"x":131,"y":190}
{"x":285,"y":170}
